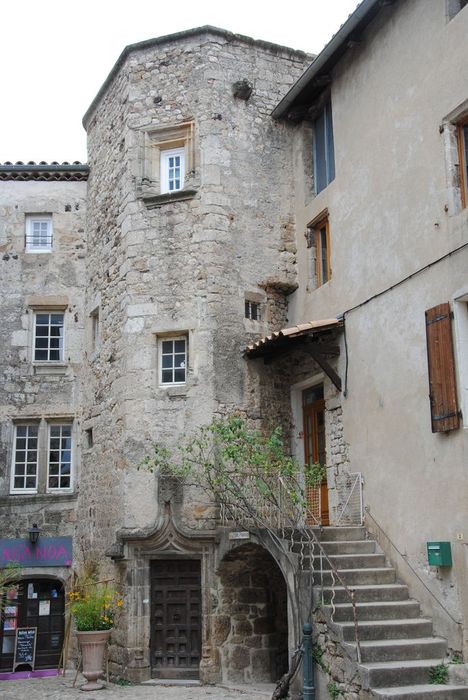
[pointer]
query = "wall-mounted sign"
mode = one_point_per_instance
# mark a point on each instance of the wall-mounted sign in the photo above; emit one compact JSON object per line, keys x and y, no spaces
{"x":239,"y":535}
{"x":25,"y":647}
{"x":49,"y":551}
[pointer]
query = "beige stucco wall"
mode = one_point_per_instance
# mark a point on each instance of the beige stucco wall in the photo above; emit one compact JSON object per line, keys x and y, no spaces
{"x":393,"y":210}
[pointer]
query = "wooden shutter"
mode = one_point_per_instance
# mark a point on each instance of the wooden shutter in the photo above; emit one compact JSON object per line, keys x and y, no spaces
{"x":442,"y":384}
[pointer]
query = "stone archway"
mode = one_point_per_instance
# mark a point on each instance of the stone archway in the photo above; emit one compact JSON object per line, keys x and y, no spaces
{"x":250,"y":625}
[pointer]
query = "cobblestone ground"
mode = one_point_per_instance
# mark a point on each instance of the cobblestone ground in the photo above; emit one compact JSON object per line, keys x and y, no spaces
{"x":58,"y":688}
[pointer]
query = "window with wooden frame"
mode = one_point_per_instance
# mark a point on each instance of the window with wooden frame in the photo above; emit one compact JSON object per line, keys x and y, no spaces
{"x":441,"y":367}
{"x":318,"y":239}
{"x":462,"y":133}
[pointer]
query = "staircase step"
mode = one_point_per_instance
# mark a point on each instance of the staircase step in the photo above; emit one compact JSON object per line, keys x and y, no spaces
{"x":422,"y":692}
{"x":365,"y":576}
{"x":339,"y":547}
{"x":383,"y":592}
{"x":386,"y":629}
{"x":393,"y":609}
{"x":397,"y":673}
{"x":400,"y":649}
{"x":355,"y":561}
{"x":347,"y":532}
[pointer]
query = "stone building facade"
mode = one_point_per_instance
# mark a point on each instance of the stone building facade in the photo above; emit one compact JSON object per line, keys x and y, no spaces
{"x":244,"y":249}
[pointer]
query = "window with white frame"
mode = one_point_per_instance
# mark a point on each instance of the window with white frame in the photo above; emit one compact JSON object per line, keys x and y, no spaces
{"x":48,"y":336}
{"x":252,"y":310}
{"x":42,"y":457}
{"x":172,"y":170}
{"x":173,"y":360}
{"x":25,"y":458}
{"x":38,"y":233}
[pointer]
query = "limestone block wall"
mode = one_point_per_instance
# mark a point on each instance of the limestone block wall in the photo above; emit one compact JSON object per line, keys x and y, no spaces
{"x":181,"y":267}
{"x":27,"y":390}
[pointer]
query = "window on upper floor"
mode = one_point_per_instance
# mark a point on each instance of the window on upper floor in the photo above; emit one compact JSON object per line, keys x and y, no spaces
{"x":173,"y":356}
{"x":318,"y":239}
{"x":253,"y":310}
{"x":454,"y":7}
{"x":48,"y":336}
{"x":38,"y":233}
{"x":42,"y":457}
{"x":323,"y":149}
{"x":462,"y":133}
{"x":172,"y":170}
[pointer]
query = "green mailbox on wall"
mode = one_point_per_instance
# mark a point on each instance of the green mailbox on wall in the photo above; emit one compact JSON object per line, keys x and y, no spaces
{"x":439,"y":553}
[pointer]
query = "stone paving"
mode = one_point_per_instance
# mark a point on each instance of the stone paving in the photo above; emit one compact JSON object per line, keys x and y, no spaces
{"x":59,"y":688}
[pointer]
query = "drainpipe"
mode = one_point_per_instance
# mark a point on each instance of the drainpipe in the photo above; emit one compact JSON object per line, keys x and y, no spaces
{"x":309,"y":688}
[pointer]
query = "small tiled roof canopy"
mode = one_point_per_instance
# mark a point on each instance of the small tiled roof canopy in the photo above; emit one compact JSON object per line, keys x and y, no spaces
{"x":277,"y":339}
{"x":69,"y":172}
{"x":285,"y":339}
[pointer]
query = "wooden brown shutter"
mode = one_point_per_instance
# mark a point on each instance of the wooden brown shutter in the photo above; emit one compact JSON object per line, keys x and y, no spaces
{"x":442,"y":384}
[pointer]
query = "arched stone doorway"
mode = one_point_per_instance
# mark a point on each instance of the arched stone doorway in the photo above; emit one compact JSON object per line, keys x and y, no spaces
{"x":251,"y":621}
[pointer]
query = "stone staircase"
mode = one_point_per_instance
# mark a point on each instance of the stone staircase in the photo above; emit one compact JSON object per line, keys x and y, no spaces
{"x":398,"y":647}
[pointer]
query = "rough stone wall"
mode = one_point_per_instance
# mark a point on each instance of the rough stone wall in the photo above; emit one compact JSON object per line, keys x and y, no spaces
{"x":29,"y":391}
{"x":182,"y":267}
{"x":250,"y":626}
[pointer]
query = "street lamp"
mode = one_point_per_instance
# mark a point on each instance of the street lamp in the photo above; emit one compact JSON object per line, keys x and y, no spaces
{"x":34,"y":534}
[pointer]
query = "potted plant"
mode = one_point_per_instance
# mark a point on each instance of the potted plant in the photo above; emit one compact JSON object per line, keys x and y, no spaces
{"x":94,"y":607}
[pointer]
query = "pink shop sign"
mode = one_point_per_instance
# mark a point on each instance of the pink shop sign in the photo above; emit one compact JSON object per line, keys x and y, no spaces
{"x":49,"y":551}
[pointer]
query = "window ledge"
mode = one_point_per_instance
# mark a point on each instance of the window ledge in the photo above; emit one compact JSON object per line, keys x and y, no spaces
{"x":156,"y":200}
{"x":25,"y":498}
{"x":174,"y":391}
{"x":50,"y":368}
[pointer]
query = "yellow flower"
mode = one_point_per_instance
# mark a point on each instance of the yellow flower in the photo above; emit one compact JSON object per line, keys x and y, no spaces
{"x":119,"y":603}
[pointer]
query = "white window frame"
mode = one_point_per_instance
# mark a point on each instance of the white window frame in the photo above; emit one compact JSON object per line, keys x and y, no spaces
{"x":165,"y":339}
{"x":248,"y":309}
{"x":13,"y":488}
{"x":49,"y":312}
{"x":30,"y":246}
{"x":165,"y":157}
{"x":61,"y":425}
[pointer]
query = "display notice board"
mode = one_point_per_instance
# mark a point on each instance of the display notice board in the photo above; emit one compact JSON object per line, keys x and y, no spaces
{"x":25,"y":647}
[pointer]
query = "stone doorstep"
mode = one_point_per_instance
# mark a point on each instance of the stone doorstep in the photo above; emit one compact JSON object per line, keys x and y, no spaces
{"x":171,"y":682}
{"x":260,"y":689}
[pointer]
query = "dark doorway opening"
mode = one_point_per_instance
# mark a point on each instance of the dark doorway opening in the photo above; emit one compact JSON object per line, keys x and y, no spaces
{"x":175,"y":618}
{"x":34,"y":603}
{"x":251,"y":624}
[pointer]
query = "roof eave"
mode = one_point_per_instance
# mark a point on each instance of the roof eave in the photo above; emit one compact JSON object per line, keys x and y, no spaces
{"x":304,"y":89}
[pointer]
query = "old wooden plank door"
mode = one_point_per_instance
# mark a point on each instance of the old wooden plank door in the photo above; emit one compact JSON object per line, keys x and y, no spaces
{"x":313,"y":407}
{"x":175,"y":618}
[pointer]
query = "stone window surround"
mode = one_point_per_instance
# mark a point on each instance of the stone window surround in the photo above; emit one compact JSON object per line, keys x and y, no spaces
{"x":30,"y":220}
{"x":42,"y":464}
{"x":46,"y":304}
{"x":154,"y":141}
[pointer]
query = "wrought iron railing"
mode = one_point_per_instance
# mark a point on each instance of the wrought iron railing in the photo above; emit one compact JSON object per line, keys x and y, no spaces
{"x":276,"y":506}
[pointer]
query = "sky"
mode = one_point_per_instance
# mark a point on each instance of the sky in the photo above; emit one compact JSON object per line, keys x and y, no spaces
{"x":55,"y":55}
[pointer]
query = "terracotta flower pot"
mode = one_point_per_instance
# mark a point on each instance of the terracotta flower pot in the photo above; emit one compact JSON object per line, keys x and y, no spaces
{"x":93,"y":647}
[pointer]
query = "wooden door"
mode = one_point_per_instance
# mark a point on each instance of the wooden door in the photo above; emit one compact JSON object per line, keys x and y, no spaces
{"x":175,"y":618}
{"x":34,"y":603}
{"x":313,"y":407}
